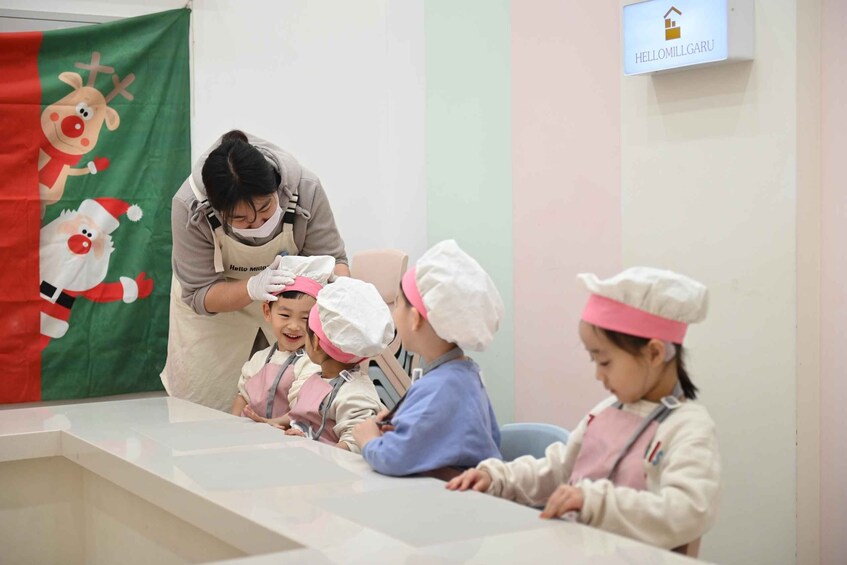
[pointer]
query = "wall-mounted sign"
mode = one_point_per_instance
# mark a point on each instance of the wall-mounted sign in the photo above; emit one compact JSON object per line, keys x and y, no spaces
{"x":664,"y":35}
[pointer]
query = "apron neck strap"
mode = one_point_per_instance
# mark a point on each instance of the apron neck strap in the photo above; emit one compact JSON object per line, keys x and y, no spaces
{"x":337,"y":382}
{"x":659,"y":413}
{"x":269,"y":407}
{"x":452,"y":355}
{"x":274,"y":349}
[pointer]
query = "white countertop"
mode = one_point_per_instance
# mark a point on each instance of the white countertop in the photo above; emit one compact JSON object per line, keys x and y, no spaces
{"x":262,"y":491}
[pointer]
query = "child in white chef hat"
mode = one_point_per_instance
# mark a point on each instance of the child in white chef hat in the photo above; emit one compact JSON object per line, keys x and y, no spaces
{"x":445,"y":423}
{"x":644,"y":463}
{"x":348,"y":324}
{"x":273,"y":376}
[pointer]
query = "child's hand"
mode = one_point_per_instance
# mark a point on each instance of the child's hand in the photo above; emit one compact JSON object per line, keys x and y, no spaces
{"x":564,"y":499}
{"x":380,"y":417}
{"x":295,"y":432}
{"x":475,"y":479}
{"x":366,"y":431}
{"x":253,"y":416}
{"x":343,"y":445}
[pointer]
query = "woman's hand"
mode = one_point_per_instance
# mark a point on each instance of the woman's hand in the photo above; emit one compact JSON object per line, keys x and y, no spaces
{"x":366,"y":431}
{"x":564,"y":499}
{"x":475,"y":479}
{"x":273,"y":279}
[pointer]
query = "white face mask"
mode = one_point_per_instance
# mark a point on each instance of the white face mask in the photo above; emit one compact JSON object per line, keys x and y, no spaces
{"x":265,"y":229}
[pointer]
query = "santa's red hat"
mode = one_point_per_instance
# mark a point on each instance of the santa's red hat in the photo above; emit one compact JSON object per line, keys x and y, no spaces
{"x":106,"y":211}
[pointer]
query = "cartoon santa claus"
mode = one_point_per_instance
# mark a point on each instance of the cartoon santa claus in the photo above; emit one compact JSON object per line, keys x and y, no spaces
{"x":75,"y":251}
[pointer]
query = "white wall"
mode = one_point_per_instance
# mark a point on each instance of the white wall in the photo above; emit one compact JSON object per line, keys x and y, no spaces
{"x":338,"y":84}
{"x":710,"y":188}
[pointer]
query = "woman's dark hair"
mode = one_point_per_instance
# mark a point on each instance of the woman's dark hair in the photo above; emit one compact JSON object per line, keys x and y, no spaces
{"x":237,"y":172}
{"x":634,"y":345}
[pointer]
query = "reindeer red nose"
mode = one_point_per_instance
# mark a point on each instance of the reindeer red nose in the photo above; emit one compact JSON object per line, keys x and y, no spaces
{"x":72,"y":126}
{"x":79,"y":244}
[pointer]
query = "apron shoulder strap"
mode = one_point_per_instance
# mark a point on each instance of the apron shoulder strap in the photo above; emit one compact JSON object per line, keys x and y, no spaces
{"x":214,"y":223}
{"x":290,"y":213}
{"x":659,"y":414}
{"x":269,"y":407}
{"x":326,"y":403}
{"x":274,"y":349}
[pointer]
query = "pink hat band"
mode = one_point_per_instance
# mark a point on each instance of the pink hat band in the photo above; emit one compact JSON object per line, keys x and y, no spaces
{"x":409,"y":286}
{"x":317,"y":327}
{"x":616,"y":316}
{"x":304,"y":285}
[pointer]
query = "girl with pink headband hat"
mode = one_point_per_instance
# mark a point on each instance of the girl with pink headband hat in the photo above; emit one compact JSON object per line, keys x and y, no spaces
{"x":644,"y":463}
{"x":272,"y":377}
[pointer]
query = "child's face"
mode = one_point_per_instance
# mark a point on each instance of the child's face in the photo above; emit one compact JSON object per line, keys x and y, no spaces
{"x":627,"y":376}
{"x":311,"y":352}
{"x":402,"y":314}
{"x":288,"y":318}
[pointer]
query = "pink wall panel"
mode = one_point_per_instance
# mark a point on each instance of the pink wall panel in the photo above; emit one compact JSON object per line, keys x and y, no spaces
{"x":833,"y":441}
{"x":566,"y":194}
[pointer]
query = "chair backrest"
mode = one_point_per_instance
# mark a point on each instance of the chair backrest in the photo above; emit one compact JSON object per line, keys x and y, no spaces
{"x":384,"y":268}
{"x":517,"y":440}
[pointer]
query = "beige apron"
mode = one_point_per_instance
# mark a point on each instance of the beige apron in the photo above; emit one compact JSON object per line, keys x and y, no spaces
{"x":206,"y":353}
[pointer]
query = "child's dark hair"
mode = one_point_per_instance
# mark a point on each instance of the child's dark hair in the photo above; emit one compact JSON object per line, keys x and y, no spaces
{"x":291,"y":294}
{"x":237,"y":172}
{"x":403,"y":295}
{"x":634,"y":344}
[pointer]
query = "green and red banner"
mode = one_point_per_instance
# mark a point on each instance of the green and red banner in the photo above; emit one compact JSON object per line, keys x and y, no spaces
{"x":95,"y":141}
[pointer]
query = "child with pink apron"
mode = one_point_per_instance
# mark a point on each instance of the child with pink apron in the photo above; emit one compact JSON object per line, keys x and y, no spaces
{"x":644,"y":463}
{"x":270,"y":377}
{"x":349,"y":323}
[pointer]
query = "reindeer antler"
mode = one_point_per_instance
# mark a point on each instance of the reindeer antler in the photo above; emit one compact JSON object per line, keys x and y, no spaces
{"x":120,"y":87}
{"x":94,"y":67}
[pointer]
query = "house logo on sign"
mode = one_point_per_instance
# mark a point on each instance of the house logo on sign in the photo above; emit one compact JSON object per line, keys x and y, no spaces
{"x":672,"y":31}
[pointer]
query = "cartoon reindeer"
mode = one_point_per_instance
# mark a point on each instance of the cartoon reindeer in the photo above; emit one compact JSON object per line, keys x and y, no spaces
{"x":71,"y":126}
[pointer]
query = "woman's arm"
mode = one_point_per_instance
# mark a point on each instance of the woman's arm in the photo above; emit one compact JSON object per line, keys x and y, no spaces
{"x":227,"y":296}
{"x":193,"y":256}
{"x":341,"y":270}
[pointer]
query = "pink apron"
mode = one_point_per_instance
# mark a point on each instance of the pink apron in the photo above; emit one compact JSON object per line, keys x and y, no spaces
{"x":310,"y":413}
{"x":615,"y":444}
{"x":268,"y":389}
{"x":604,"y":438}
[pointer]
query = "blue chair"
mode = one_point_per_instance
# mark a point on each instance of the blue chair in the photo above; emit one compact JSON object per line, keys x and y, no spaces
{"x":517,"y":440}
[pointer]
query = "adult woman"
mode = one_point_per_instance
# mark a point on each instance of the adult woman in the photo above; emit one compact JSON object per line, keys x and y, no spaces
{"x":245,"y":202}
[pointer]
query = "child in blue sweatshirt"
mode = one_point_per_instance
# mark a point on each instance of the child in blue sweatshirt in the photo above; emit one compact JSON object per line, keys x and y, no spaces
{"x":445,"y":423}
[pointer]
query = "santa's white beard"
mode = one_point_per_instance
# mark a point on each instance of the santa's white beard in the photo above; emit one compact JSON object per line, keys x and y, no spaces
{"x":66,"y":270}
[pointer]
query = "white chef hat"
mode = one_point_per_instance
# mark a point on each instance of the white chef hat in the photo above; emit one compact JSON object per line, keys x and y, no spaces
{"x":310,"y":273}
{"x":645,"y":302}
{"x":458,"y":298}
{"x":351,"y":320}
